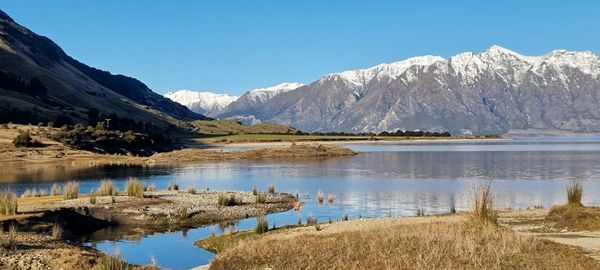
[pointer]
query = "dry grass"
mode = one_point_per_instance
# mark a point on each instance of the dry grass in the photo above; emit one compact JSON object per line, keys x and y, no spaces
{"x":107,"y":188}
{"x":134,"y":188}
{"x":330,"y":198}
{"x":9,"y":241}
{"x":482,"y":206}
{"x":227,"y":200}
{"x":71,"y":190}
{"x":574,"y":193}
{"x":271,"y":189}
{"x":320,"y":197}
{"x":260,"y":198}
{"x":56,"y":231}
{"x":262,"y":226}
{"x":254,"y":191}
{"x":112,"y":262}
{"x":56,"y":190}
{"x":8,"y":202}
{"x":423,"y":246}
{"x":574,"y":217}
{"x":173,"y":186}
{"x":192,"y":190}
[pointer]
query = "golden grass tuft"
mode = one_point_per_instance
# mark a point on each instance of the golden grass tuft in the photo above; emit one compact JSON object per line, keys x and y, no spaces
{"x":9,"y":241}
{"x":574,"y":217}
{"x":56,"y":190}
{"x":330,"y":198}
{"x":112,"y":262}
{"x":482,"y":206}
{"x":8,"y":202}
{"x":254,"y":191}
{"x":574,"y":193}
{"x":271,"y":189}
{"x":192,"y":190}
{"x":320,"y":197}
{"x":134,"y":188}
{"x":262,"y":226}
{"x":227,"y":200}
{"x":438,"y":245}
{"x":173,"y":186}
{"x":107,"y":188}
{"x":56,"y":231}
{"x":71,"y":190}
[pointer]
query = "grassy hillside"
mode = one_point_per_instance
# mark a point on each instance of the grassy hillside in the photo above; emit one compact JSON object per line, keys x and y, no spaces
{"x":230,"y":127}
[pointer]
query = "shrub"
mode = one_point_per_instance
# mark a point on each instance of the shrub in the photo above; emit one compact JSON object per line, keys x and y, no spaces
{"x":345,"y":217}
{"x":71,"y":190}
{"x":24,"y":140}
{"x":262,"y":226}
{"x":134,"y":188}
{"x":227,"y":200}
{"x":92,"y":199}
{"x":56,"y":190}
{"x":575,"y":193}
{"x":107,"y":188}
{"x":320,"y":197}
{"x":173,"y":186}
{"x":482,"y":209}
{"x":112,"y":262}
{"x":8,"y":202}
{"x":271,"y":189}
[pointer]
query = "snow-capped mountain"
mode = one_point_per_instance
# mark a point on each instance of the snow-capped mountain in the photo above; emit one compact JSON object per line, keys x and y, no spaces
{"x":201,"y":102}
{"x":495,"y":91}
{"x":256,"y":97}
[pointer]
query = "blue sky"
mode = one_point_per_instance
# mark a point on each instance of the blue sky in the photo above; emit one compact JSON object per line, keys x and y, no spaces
{"x":233,"y":46}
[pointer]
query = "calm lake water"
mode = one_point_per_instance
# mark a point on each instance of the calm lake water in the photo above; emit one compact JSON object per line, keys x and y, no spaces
{"x":385,"y":180}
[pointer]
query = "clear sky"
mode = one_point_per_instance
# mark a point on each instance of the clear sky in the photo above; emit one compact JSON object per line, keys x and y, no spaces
{"x":233,"y":46}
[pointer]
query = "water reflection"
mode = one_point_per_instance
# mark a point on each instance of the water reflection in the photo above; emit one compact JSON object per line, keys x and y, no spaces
{"x":388,"y":180}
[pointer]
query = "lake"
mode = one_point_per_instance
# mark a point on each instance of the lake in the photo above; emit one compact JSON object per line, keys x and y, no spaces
{"x":384,"y":180}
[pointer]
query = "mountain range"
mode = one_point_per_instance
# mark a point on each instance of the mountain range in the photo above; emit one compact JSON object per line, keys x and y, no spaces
{"x":493,"y":92}
{"x":39,"y":82}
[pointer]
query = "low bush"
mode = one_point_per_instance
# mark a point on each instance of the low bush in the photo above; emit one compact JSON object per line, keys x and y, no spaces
{"x":25,"y":140}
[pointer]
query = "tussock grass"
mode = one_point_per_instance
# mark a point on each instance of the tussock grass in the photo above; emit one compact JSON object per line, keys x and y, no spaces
{"x":227,"y":200}
{"x":271,"y":189}
{"x":112,"y":262}
{"x":9,"y":241}
{"x":330,"y":198}
{"x":173,"y":186}
{"x":262,"y":226}
{"x":92,"y":199}
{"x":320,"y":197}
{"x":260,"y":198}
{"x":192,"y":190}
{"x":150,"y":187}
{"x":71,"y":190}
{"x":574,"y":193}
{"x":310,"y":220}
{"x":107,"y":188}
{"x":482,"y":206}
{"x":8,"y":202}
{"x":254,"y":191}
{"x":439,"y":245}
{"x":134,"y":188}
{"x":56,"y":190}
{"x":56,"y":231}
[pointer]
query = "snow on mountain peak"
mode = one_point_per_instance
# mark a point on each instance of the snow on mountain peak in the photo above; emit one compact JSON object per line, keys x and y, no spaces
{"x":201,"y":102}
{"x":264,"y":94}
